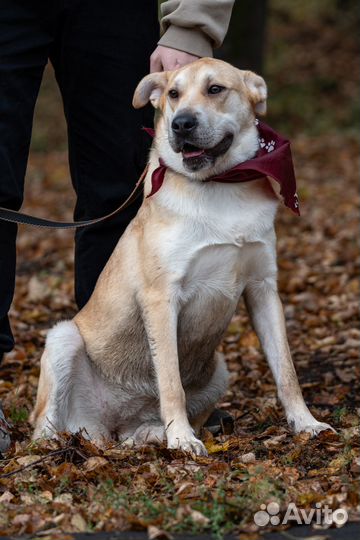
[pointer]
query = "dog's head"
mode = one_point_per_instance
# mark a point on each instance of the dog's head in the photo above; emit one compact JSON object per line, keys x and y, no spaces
{"x":207,"y":115}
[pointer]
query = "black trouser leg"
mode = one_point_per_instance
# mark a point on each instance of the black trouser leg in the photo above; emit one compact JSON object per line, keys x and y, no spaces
{"x":103,"y":53}
{"x":24,"y":43}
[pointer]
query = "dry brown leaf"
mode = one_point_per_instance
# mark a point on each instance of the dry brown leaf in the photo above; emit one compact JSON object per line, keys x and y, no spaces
{"x":64,"y":498}
{"x":79,"y":523}
{"x":213,"y":447}
{"x":274,"y":441}
{"x":95,"y":462}
{"x":7,"y":496}
{"x":28,"y":498}
{"x":355,"y":466}
{"x":199,"y":518}
{"x":249,"y":339}
{"x":38,"y":290}
{"x":21,"y":519}
{"x":27,"y":460}
{"x":185,"y":486}
{"x":248,"y":458}
{"x":154,"y":533}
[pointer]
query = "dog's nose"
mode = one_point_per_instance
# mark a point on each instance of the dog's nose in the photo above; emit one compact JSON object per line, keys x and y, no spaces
{"x":183,"y":124}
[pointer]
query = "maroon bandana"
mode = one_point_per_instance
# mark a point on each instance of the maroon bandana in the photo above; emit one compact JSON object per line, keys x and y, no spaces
{"x":272,"y":159}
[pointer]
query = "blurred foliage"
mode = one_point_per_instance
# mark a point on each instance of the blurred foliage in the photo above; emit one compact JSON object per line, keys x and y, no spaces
{"x":244,"y":44}
{"x":49,"y":128}
{"x":311,"y":65}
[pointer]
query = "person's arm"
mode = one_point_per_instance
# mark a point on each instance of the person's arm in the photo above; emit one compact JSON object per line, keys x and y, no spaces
{"x":195,"y":26}
{"x":191,"y":29}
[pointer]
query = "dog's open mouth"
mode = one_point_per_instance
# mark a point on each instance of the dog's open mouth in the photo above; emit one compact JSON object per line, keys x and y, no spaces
{"x":191,"y":152}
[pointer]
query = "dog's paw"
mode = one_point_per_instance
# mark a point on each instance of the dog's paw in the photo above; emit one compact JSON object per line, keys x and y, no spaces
{"x":315,"y":428}
{"x":149,"y":434}
{"x":188,"y":443}
{"x":310,"y":425}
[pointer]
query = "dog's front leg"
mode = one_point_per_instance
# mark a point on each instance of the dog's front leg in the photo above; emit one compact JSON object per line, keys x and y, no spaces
{"x":160,"y":318}
{"x":267,"y":315}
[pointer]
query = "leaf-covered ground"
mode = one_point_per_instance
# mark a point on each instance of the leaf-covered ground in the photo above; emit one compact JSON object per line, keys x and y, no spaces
{"x":71,"y":485}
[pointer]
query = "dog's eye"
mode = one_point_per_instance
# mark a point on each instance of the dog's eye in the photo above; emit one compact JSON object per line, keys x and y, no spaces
{"x":173,"y":94}
{"x":215,"y":89}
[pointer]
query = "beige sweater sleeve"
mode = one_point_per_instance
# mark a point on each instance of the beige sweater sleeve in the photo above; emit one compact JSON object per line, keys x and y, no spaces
{"x":195,"y":26}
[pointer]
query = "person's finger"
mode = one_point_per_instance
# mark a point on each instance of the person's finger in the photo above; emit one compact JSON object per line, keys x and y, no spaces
{"x":169,"y":64}
{"x":156,"y":63}
{"x":183,"y":59}
{"x":168,"y":59}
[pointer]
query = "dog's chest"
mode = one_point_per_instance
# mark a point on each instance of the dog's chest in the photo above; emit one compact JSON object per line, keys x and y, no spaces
{"x":207,"y":250}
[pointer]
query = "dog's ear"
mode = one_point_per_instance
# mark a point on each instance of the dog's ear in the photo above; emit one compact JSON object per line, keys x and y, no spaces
{"x":257,"y":91}
{"x":150,"y":88}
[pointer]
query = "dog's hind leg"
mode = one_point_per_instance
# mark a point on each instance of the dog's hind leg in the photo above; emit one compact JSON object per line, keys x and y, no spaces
{"x":64,"y":402}
{"x":201,"y":403}
{"x":42,"y":410}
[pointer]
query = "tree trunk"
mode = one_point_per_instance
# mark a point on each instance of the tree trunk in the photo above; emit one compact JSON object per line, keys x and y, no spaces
{"x":244,"y":44}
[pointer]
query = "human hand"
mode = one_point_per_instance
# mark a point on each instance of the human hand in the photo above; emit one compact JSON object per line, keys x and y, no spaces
{"x":167,"y":59}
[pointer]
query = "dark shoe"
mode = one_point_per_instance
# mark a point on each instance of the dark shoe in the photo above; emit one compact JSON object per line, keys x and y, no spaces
{"x":220,"y":423}
{"x":4,"y":428}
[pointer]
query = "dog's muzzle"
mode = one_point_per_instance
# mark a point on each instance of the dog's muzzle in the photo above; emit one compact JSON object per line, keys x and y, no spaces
{"x":183,"y":124}
{"x":187,"y":140}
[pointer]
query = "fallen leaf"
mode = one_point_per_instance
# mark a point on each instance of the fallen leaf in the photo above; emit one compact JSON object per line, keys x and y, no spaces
{"x":27,"y":460}
{"x":199,"y":518}
{"x":64,"y":498}
{"x":7,"y":496}
{"x":79,"y":523}
{"x":37,"y":290}
{"x":154,"y":533}
{"x":248,"y":458}
{"x":95,"y":462}
{"x":213,"y":447}
{"x":274,"y":441}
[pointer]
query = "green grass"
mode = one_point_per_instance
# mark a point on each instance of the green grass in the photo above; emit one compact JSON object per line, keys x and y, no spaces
{"x":18,"y":415}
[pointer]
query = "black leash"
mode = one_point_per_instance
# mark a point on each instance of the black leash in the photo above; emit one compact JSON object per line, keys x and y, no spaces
{"x":24,"y":219}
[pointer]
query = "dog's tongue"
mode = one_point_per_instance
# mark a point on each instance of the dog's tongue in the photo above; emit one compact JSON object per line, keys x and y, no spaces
{"x":193,"y":153}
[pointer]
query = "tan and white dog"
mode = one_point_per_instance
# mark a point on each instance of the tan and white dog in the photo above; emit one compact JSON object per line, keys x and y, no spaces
{"x":139,"y":361}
